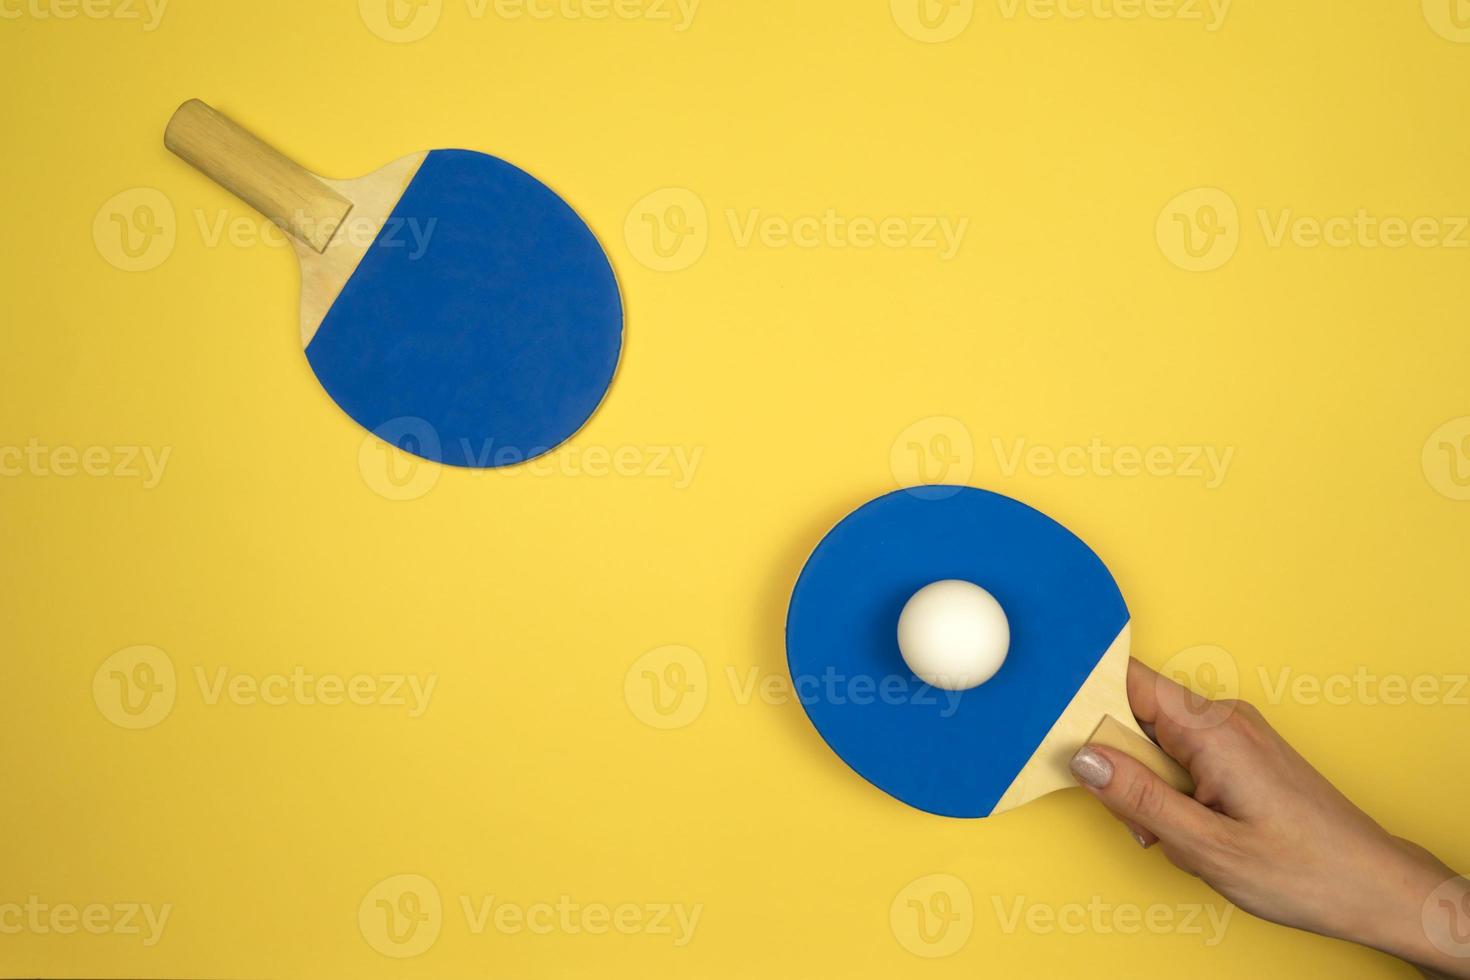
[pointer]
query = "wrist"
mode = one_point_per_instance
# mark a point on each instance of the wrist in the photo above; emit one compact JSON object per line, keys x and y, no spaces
{"x":1421,"y":913}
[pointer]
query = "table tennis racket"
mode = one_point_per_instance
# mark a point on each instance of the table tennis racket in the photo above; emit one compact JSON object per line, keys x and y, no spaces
{"x":989,"y":749}
{"x":449,"y":287}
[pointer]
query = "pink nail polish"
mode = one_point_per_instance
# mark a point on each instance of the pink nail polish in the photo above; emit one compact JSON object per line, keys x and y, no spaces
{"x":1090,"y":768}
{"x":1139,"y":837}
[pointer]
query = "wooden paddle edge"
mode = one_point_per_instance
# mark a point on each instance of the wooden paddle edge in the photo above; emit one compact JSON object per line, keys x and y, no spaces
{"x":324,"y":274}
{"x":1104,"y":694}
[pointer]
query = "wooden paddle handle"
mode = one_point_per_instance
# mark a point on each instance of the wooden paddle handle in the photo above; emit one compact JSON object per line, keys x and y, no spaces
{"x":279,"y":189}
{"x":1116,"y":735}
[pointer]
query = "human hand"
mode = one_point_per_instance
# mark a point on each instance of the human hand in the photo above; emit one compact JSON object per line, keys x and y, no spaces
{"x":1272,"y":835}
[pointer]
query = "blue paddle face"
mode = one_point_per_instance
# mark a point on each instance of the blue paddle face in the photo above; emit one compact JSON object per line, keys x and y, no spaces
{"x":950,"y":753}
{"x":485,"y":318}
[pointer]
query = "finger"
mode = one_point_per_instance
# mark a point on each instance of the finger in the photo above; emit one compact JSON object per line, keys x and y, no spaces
{"x":1145,"y":838}
{"x":1171,"y":714}
{"x":1151,"y":694}
{"x":1142,"y":696}
{"x":1144,"y":801}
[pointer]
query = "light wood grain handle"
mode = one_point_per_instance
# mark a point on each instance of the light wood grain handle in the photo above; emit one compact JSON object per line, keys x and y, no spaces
{"x":258,"y":175}
{"x":1116,"y":735}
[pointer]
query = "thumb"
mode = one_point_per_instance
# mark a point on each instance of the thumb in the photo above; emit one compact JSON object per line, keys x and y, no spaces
{"x":1145,"y":802}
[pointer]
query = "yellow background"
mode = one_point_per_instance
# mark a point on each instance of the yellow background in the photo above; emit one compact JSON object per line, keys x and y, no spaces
{"x":530,"y":595}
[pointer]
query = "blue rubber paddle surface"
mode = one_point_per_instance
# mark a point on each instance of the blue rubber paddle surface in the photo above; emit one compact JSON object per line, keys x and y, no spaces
{"x":485,"y":308}
{"x":950,"y":753}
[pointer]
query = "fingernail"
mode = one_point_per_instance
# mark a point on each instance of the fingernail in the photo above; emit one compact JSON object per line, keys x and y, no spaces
{"x":1139,"y":837}
{"x":1090,"y":768}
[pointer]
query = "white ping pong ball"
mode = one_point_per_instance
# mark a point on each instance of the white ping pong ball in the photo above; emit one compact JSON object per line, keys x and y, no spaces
{"x":953,"y":635}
